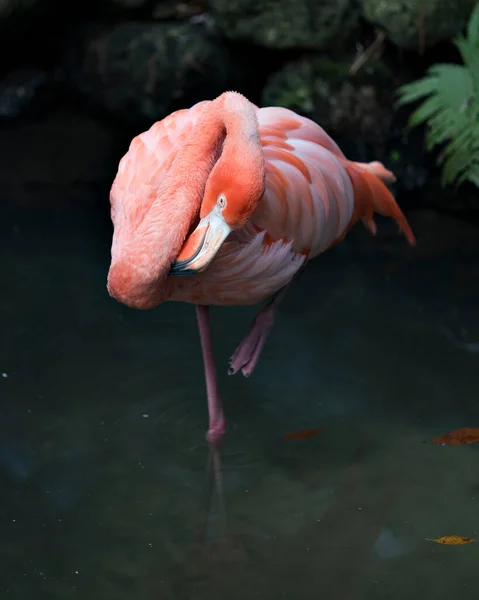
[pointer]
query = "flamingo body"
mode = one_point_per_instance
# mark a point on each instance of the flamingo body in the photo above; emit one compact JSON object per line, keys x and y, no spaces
{"x":307,"y":206}
{"x":305,"y":193}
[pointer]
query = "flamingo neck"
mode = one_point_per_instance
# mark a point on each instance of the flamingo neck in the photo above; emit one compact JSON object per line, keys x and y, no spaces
{"x":240,"y":170}
{"x":243,"y":141}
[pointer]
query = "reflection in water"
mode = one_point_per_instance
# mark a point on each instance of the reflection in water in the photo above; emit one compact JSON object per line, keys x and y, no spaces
{"x":214,"y":486}
{"x":333,"y":550}
{"x":102,"y":451}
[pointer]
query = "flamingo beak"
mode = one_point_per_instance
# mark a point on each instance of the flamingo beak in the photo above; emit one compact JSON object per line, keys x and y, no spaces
{"x":202,"y":245}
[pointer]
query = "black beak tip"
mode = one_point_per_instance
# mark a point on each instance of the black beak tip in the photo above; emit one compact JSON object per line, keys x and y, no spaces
{"x":180,"y":269}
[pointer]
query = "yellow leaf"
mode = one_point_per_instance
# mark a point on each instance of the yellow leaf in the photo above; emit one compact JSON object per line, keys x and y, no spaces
{"x":452,"y":540}
{"x":466,"y":435}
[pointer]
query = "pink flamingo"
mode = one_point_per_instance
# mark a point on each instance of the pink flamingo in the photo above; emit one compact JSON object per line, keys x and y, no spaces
{"x":239,"y":198}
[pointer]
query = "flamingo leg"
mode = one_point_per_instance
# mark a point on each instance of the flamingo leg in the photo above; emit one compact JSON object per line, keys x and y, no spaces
{"x":246,"y":356}
{"x":217,"y":424}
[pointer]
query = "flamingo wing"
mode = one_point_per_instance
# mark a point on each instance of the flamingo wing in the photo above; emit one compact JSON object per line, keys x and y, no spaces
{"x":309,"y":197}
{"x":314,"y":194}
{"x":143,"y":167}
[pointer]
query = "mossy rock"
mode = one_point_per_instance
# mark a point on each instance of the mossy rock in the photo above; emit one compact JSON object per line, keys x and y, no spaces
{"x":143,"y":71}
{"x":129,"y":3}
{"x":412,"y":24}
{"x":285,"y":23}
{"x":354,"y":106}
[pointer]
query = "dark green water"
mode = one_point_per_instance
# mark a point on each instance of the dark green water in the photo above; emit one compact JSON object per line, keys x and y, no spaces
{"x":104,"y":487}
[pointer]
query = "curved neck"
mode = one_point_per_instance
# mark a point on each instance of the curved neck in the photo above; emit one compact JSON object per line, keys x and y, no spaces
{"x":242,"y":131}
{"x":240,"y":171}
{"x":239,"y":117}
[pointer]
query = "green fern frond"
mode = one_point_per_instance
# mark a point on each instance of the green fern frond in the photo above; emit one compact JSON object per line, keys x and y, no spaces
{"x":450,"y":108}
{"x":473,"y":175}
{"x":473,"y":27}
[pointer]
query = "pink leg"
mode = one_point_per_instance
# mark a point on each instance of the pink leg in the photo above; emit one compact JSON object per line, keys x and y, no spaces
{"x":246,"y":355}
{"x":217,"y":425}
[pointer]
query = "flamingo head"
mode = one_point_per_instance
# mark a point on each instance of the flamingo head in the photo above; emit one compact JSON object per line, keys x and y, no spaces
{"x":231,"y":197}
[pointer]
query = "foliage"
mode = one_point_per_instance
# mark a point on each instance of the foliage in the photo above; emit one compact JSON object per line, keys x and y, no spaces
{"x":450,"y":108}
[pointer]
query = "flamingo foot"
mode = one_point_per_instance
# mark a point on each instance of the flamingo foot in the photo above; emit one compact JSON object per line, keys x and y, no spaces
{"x":246,"y":355}
{"x":216,"y":430}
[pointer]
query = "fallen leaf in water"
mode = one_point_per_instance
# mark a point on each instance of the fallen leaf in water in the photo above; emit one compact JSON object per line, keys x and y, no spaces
{"x":466,"y":435}
{"x":452,"y":540}
{"x":302,"y":434}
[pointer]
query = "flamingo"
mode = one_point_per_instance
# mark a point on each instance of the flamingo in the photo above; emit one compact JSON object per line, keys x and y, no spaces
{"x":225,"y":203}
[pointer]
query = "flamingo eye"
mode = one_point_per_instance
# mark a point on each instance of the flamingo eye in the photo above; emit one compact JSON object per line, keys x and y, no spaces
{"x":221,"y":201}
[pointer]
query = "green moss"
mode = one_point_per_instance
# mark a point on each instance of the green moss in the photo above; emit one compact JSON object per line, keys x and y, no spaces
{"x":301,"y":83}
{"x":285,"y":23}
{"x":356,"y":106}
{"x":412,"y":22}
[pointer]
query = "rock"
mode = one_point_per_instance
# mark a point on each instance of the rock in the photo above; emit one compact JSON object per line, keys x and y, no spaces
{"x":10,"y":6}
{"x":130,"y":3}
{"x":417,"y":24}
{"x":285,"y":23}
{"x":143,"y":71}
{"x":174,"y":9}
{"x":355,"y":107}
{"x":25,"y":92}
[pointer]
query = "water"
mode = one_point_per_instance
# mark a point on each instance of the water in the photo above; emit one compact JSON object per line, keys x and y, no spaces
{"x":104,"y":467}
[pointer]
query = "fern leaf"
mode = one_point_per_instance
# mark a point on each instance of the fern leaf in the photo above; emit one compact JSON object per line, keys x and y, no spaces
{"x":410,"y":92}
{"x":472,"y":175}
{"x":459,"y":154}
{"x":446,"y":125}
{"x":453,"y":167}
{"x":449,"y":96}
{"x":440,"y":129}
{"x":463,"y":142}
{"x":469,"y":54}
{"x":473,"y":27}
{"x":450,"y":80}
{"x":428,"y":109}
